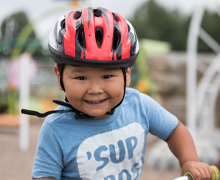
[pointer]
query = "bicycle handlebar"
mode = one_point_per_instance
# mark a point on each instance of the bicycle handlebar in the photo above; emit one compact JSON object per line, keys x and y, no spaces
{"x":189,"y":176}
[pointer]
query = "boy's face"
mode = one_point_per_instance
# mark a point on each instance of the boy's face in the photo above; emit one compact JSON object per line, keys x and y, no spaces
{"x":93,"y":91}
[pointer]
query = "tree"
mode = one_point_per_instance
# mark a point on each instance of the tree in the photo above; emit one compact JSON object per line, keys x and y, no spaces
{"x":154,"y":21}
{"x":11,"y":28}
{"x":211,"y":24}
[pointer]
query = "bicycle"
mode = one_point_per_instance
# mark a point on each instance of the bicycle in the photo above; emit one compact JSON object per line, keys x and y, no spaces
{"x":189,"y":176}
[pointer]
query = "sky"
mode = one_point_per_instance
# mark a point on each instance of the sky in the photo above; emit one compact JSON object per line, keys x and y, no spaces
{"x":36,"y":8}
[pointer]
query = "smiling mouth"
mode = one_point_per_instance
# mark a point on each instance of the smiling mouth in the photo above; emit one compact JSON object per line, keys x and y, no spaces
{"x":95,"y":102}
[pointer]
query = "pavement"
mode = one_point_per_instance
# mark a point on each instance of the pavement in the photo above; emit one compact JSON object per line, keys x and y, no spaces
{"x":17,"y":165}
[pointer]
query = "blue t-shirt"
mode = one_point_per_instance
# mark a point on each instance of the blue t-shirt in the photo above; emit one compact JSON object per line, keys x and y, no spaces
{"x":107,"y":149}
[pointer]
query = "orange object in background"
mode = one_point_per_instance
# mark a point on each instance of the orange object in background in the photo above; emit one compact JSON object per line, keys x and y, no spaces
{"x":47,"y":105}
{"x":142,"y":86}
{"x":74,"y":3}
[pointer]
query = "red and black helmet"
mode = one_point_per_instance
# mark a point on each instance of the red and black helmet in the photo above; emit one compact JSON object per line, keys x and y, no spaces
{"x":95,"y":38}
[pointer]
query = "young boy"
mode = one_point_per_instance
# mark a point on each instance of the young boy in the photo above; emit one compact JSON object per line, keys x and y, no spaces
{"x":100,"y":131}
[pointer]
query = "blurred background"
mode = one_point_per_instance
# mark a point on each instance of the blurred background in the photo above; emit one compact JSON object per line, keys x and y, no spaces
{"x":178,"y":65}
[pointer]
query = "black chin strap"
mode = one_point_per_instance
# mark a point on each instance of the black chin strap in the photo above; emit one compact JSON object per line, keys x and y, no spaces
{"x":79,"y":114}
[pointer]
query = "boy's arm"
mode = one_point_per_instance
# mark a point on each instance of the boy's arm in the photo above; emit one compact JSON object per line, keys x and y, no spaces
{"x":182,"y":146}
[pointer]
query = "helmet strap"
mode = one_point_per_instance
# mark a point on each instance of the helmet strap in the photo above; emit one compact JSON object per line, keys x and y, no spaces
{"x":61,"y":77}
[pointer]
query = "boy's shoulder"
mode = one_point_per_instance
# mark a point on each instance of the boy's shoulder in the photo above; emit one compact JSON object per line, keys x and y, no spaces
{"x":130,"y":92}
{"x":57,"y":117}
{"x":134,"y":98}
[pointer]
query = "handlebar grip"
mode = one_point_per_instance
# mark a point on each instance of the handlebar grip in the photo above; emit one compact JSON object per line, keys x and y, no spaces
{"x":216,"y":173}
{"x":215,"y":177}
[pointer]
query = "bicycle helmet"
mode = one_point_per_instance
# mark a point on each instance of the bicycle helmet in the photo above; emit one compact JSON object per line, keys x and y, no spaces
{"x":94,"y":38}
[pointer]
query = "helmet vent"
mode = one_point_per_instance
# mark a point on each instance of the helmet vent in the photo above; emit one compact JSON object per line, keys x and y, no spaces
{"x":99,"y":36}
{"x":62,"y":24}
{"x":97,"y":12}
{"x":116,"y":39}
{"x":115,"y":17}
{"x":81,"y":36}
{"x":77,"y":15}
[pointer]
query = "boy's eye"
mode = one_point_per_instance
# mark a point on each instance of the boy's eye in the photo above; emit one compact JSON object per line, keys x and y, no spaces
{"x":106,"y":76}
{"x":81,"y":78}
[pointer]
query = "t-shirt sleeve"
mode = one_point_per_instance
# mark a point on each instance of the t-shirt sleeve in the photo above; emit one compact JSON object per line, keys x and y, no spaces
{"x":49,"y":155}
{"x":161,"y":122}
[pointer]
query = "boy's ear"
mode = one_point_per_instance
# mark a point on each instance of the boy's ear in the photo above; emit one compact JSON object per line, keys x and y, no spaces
{"x":58,"y":76}
{"x":128,"y":76}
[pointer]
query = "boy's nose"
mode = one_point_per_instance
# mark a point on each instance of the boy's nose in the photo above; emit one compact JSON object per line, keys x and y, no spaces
{"x":95,"y":88}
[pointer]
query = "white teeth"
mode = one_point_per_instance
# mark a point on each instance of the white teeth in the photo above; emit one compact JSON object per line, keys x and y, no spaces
{"x":94,"y":102}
